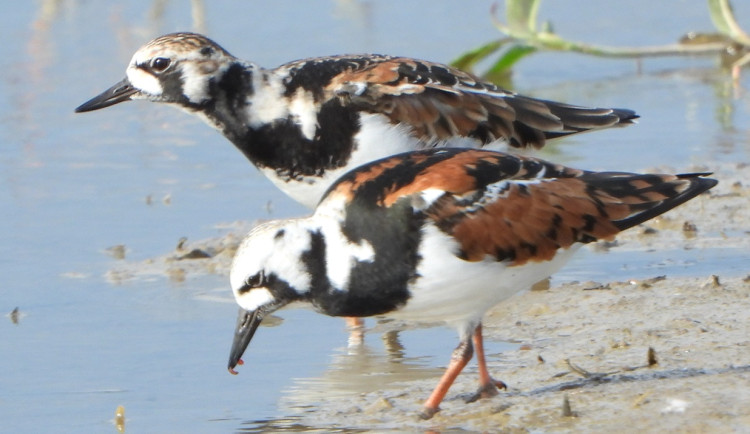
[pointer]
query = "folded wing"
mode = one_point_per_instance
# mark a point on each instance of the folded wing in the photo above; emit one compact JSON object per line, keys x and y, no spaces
{"x":514,"y":208}
{"x":440,"y":103}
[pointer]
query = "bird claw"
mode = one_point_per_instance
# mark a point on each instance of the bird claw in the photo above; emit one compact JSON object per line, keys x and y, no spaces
{"x":499,"y":384}
{"x":487,"y":391}
{"x":428,"y":412}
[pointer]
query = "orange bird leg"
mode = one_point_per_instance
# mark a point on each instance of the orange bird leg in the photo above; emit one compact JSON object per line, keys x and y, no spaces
{"x":487,"y":385}
{"x":460,"y":357}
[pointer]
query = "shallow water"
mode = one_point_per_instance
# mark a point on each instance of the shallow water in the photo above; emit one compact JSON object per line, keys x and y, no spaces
{"x":144,"y":175}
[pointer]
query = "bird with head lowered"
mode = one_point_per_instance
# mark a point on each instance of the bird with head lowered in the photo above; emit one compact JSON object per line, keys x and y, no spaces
{"x":440,"y":235}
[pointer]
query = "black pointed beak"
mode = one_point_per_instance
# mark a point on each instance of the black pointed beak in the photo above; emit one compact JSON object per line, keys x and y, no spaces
{"x":122,"y":91}
{"x":247,"y":323}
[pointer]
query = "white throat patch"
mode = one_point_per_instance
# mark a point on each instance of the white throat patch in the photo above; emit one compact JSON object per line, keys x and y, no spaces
{"x":144,"y":82}
{"x":254,"y":298}
{"x":195,"y":80}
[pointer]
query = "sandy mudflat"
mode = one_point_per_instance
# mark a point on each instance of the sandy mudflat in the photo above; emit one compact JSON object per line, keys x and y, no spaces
{"x":698,"y":328}
{"x":701,"y":383}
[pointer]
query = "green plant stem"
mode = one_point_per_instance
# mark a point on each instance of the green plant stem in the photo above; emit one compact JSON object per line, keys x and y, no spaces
{"x":550,"y":41}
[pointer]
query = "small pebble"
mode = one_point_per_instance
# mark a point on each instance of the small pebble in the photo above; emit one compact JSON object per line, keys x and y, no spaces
{"x":195,"y":254}
{"x":713,"y":282}
{"x":648,"y":231}
{"x":542,"y":285}
{"x":689,"y":229}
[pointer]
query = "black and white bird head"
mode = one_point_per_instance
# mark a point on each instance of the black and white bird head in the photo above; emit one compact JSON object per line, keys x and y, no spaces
{"x":271,"y":271}
{"x":268,"y":272}
{"x":178,"y":68}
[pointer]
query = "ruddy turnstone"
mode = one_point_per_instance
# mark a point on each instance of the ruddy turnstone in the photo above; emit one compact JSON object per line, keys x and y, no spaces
{"x":440,"y":235}
{"x":306,"y":123}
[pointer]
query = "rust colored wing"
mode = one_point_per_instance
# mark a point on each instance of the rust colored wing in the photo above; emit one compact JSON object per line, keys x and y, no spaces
{"x":514,"y":208}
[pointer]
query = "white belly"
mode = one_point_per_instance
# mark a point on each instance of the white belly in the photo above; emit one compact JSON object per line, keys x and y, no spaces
{"x":455,"y":291}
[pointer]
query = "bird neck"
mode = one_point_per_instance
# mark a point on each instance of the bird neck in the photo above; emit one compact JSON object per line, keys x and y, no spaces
{"x":287,"y":133}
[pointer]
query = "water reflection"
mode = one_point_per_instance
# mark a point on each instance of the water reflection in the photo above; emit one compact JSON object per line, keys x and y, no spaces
{"x":158,"y":10}
{"x":352,"y":370}
{"x":359,"y":369}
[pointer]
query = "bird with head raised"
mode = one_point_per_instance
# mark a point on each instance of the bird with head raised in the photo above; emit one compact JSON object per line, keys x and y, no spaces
{"x":306,"y":123}
{"x":440,"y":235}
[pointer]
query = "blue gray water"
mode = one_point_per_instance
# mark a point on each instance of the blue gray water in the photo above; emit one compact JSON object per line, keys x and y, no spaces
{"x":144,"y":175}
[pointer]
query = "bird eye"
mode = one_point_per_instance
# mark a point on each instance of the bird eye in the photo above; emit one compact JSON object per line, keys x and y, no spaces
{"x":159,"y":64}
{"x":256,"y":280}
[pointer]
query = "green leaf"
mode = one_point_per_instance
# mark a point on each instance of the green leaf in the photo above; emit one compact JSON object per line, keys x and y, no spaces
{"x":510,"y":58}
{"x":722,"y":16}
{"x":521,"y":15}
{"x":716,"y":8}
{"x":467,"y":60}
